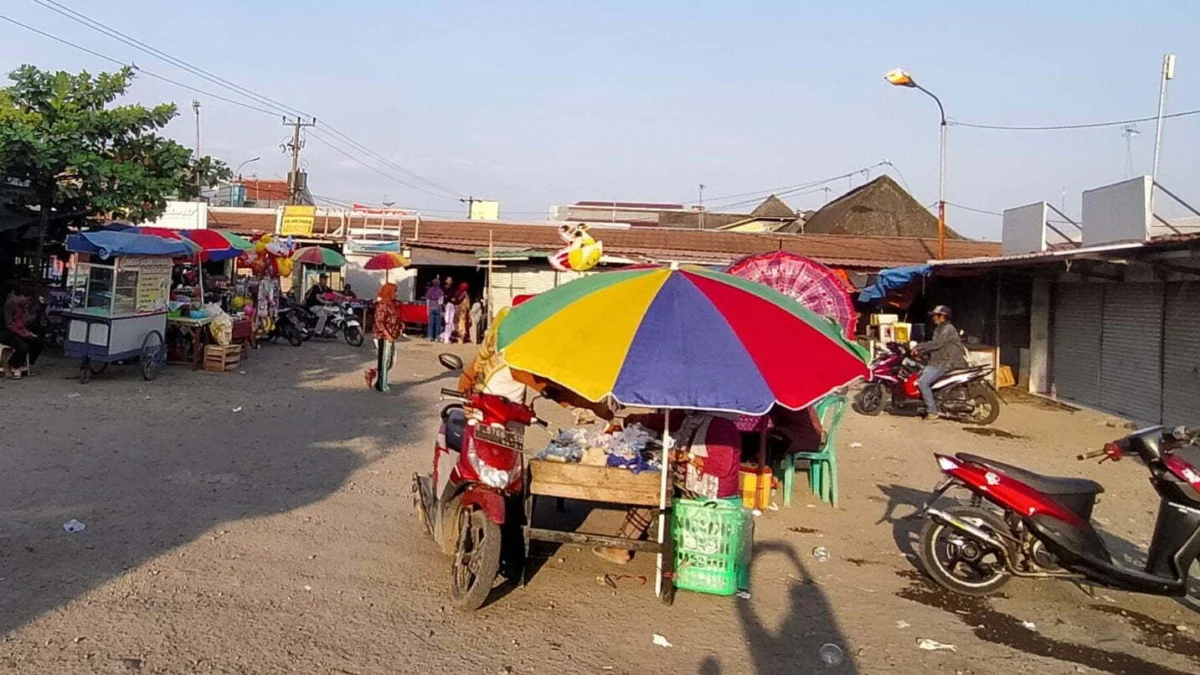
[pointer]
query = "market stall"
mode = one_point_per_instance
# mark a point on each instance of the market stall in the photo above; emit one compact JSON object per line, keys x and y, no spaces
{"x":678,"y":338}
{"x":119,"y":300}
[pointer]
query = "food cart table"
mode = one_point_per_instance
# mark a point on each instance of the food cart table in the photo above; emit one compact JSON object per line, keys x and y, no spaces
{"x":196,"y":330}
{"x":118,"y":297}
{"x":607,"y":485}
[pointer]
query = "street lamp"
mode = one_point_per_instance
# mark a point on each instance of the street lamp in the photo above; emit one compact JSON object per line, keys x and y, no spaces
{"x":238,"y":173}
{"x":899,"y":78}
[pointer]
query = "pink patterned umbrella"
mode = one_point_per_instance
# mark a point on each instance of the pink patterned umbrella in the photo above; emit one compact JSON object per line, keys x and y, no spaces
{"x":807,"y":281}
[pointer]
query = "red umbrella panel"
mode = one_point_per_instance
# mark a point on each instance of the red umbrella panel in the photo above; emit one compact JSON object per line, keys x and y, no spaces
{"x":808,"y":282}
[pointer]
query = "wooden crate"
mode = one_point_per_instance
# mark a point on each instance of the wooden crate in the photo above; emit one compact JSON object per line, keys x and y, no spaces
{"x":218,"y":359}
{"x":594,"y":483}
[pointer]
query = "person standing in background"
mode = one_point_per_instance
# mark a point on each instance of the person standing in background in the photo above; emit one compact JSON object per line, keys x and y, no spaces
{"x":388,"y":328}
{"x":462,"y":314}
{"x":434,"y":298}
{"x":478,"y":319}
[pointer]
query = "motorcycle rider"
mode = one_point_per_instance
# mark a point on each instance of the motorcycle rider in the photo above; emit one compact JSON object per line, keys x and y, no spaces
{"x":945,"y":352}
{"x":314,"y":299}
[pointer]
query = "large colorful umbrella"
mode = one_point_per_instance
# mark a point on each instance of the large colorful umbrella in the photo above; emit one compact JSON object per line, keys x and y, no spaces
{"x":218,"y":246}
{"x":806,"y":281}
{"x":319,"y":255}
{"x":386,"y":261}
{"x":680,"y":338}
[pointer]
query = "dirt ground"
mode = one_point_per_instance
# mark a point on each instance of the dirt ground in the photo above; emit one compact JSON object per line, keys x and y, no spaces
{"x":261,"y":523}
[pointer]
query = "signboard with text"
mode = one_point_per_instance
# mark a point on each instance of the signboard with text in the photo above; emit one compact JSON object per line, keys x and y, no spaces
{"x":298,"y":221}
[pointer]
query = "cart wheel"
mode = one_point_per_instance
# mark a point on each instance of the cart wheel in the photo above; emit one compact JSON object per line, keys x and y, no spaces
{"x":153,"y":355}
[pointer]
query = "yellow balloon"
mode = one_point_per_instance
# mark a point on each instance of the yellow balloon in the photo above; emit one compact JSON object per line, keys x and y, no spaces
{"x":239,"y":302}
{"x":260,"y":246}
{"x":285,"y":267}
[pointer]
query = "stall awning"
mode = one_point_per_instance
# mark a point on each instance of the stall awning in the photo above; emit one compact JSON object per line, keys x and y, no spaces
{"x":433,"y":257}
{"x":108,"y":244}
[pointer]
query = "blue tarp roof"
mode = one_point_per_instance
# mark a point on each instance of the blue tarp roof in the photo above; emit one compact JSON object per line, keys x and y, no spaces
{"x":892,"y":279}
{"x":108,"y":244}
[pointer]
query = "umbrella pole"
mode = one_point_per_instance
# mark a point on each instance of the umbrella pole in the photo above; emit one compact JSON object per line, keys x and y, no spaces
{"x":662,"y":501}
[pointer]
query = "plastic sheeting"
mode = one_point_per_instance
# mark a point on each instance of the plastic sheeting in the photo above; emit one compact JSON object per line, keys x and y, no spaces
{"x":891,"y":280}
{"x":107,"y":244}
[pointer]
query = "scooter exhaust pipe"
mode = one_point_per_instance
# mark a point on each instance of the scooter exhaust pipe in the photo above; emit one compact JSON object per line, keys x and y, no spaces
{"x":943,"y":518}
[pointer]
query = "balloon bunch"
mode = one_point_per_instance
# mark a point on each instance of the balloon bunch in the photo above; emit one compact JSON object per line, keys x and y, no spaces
{"x":269,"y":257}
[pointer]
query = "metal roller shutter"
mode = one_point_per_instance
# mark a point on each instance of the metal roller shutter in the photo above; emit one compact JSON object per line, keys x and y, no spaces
{"x":1076,"y":348}
{"x":1131,"y":348}
{"x":1181,"y":355}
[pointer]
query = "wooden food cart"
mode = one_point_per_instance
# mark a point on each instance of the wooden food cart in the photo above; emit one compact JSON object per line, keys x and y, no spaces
{"x":605,"y":485}
{"x":118,"y":312}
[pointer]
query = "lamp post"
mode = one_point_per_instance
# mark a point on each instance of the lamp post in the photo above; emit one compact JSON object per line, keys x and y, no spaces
{"x":238,"y":173}
{"x":900,"y":78}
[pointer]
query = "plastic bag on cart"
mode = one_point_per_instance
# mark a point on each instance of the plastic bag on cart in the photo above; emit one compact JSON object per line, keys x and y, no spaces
{"x":221,"y":326}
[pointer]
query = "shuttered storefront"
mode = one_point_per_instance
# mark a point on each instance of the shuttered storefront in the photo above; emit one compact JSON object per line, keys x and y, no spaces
{"x":1076,"y":348}
{"x":1181,"y":355}
{"x":1131,"y":350}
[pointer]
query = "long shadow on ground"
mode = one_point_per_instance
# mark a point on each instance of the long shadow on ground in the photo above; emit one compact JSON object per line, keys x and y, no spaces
{"x":151,"y":466}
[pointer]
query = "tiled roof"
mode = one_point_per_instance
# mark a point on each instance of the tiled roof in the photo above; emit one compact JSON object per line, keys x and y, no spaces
{"x":241,"y":221}
{"x":265,"y":189}
{"x":662,"y":244}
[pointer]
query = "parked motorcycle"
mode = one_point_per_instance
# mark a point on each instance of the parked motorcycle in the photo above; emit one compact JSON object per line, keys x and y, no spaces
{"x":288,"y":326}
{"x":963,"y":394}
{"x":471,"y":503}
{"x":1043,"y":528}
{"x":340,"y":319}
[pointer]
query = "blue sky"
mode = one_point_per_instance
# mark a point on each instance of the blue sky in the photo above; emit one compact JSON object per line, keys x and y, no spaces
{"x":538,"y":103}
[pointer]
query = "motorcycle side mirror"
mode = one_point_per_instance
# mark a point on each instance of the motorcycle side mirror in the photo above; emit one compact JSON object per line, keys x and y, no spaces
{"x":450,"y":362}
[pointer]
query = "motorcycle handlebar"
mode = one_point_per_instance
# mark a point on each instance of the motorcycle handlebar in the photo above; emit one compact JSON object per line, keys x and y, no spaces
{"x":455,"y":394}
{"x":1092,"y":455}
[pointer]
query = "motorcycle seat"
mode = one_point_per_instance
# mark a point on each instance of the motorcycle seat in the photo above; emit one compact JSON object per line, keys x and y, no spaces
{"x":456,"y":424}
{"x":1050,"y":485}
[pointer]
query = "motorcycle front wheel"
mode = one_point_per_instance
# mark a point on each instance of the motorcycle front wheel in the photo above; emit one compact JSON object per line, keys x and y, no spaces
{"x":292,"y":334}
{"x":353,"y":335}
{"x":959,"y":562}
{"x":476,"y":560}
{"x":869,"y":401}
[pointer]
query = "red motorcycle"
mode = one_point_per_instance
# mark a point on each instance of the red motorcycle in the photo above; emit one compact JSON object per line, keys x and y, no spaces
{"x":1043,"y":530}
{"x":963,"y":394}
{"x":471,"y":503}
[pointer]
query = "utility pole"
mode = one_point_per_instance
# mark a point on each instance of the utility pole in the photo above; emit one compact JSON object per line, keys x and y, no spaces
{"x":1168,"y":73}
{"x":196,"y":109}
{"x":700,"y":204}
{"x":470,"y":202}
{"x":294,"y":147}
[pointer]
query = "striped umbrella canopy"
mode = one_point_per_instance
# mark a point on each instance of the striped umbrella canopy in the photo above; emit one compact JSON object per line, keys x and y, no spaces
{"x":319,"y":255}
{"x":386,"y":261}
{"x":680,"y":337}
{"x":218,"y":246}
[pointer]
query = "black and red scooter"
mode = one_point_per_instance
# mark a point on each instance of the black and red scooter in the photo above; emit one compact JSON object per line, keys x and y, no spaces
{"x":1022,"y":524}
{"x":471,"y":502}
{"x":964,"y":394}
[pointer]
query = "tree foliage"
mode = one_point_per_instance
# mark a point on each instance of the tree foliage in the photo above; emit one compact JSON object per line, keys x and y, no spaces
{"x":81,"y":156}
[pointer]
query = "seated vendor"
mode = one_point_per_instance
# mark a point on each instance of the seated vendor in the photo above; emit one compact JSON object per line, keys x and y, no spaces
{"x":708,"y":455}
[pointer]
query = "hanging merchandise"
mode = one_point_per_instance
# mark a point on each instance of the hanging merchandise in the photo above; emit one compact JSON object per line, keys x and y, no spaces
{"x":582,"y":252}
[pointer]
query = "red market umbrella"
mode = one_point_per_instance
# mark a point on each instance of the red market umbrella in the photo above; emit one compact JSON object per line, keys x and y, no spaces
{"x":218,"y":246}
{"x":808,"y":282}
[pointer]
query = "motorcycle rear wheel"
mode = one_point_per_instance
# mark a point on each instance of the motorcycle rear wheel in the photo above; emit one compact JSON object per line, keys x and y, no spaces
{"x":869,"y":400}
{"x":986,"y":404}
{"x":957,"y":561}
{"x":476,"y":560}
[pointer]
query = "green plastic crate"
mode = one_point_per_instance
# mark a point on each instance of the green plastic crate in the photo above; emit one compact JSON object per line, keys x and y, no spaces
{"x":708,"y":537}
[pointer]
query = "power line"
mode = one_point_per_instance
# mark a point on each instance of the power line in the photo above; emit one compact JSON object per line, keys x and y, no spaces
{"x":1062,"y":127}
{"x":115,"y":34}
{"x":795,"y":190}
{"x":974,"y":209}
{"x":330,"y":144}
{"x":141,"y":71}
